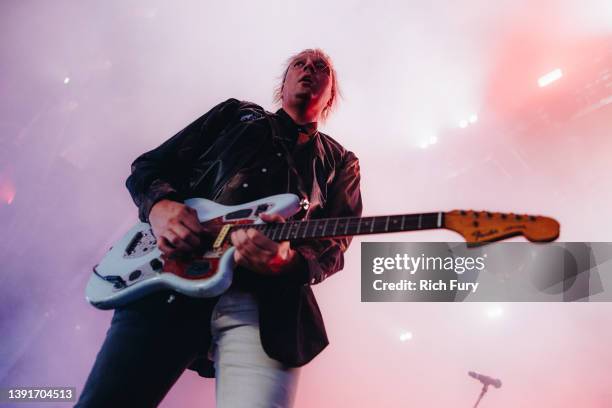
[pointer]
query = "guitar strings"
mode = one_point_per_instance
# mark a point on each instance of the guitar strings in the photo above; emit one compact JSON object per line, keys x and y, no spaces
{"x":285,"y":230}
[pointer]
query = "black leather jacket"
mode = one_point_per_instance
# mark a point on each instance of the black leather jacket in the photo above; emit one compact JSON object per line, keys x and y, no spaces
{"x":237,"y":152}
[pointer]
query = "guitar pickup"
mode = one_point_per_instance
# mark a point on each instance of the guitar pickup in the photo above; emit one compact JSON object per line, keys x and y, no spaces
{"x":244,"y":213}
{"x":262,"y":208}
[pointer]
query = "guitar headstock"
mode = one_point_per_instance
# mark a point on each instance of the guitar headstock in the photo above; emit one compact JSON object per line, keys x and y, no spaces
{"x":479,"y":227}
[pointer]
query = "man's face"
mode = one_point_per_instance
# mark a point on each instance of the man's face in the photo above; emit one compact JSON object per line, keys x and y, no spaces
{"x":309,"y":81}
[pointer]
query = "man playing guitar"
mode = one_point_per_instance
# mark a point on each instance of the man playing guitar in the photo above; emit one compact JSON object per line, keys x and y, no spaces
{"x":255,"y":336}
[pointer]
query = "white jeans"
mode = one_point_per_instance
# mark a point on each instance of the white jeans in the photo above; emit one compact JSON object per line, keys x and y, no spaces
{"x":245,"y":375}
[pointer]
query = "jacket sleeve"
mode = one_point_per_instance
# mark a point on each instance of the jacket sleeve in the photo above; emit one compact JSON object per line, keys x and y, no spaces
{"x":162,"y":172}
{"x":324,"y":257}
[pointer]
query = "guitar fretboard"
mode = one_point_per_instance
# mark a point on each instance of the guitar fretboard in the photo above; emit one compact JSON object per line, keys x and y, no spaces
{"x":347,"y":226}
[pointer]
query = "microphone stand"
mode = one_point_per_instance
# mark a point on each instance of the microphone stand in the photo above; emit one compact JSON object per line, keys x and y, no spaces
{"x":484,"y":390}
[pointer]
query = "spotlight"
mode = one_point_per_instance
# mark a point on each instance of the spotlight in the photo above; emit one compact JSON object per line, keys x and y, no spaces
{"x":405,"y":336}
{"x":7,"y":190}
{"x":66,"y":80}
{"x":550,"y":78}
{"x":495,"y":312}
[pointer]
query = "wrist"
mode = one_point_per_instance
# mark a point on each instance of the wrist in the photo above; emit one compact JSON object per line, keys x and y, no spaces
{"x":159,"y":205}
{"x":286,"y":261}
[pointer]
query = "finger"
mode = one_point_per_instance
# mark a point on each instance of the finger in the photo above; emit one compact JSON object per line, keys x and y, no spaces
{"x":193,"y":224}
{"x":187,"y":236}
{"x":235,"y":239}
{"x":262,"y":242}
{"x":165,"y":247}
{"x":241,"y":240}
{"x":176,"y":241}
{"x":238,"y":239}
{"x":254,"y":249}
{"x":271,"y":217}
{"x":238,"y":257}
{"x":246,"y":259}
{"x":242,"y":260}
{"x":254,"y":254}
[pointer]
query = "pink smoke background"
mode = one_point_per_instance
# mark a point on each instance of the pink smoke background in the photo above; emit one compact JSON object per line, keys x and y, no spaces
{"x":88,"y":86}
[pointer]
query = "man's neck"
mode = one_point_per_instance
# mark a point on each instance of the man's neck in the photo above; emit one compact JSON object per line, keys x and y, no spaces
{"x":300,"y":115}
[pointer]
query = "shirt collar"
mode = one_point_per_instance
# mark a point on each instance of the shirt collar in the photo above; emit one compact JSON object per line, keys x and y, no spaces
{"x":309,"y":128}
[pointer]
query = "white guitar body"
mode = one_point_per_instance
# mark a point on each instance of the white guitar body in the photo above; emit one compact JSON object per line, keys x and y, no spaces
{"x":134,"y":266}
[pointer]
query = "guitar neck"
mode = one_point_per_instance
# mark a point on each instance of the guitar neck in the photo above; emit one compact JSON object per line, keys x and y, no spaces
{"x":348,"y":226}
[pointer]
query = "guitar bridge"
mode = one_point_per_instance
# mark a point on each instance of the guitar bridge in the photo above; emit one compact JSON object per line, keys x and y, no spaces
{"x":141,"y":244}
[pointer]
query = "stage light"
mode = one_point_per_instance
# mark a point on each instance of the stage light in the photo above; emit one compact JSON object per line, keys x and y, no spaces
{"x":405,"y":336}
{"x":7,"y":190}
{"x":550,"y":78}
{"x":495,"y":312}
{"x":463,"y":124}
{"x":473,"y":118}
{"x":66,"y":80}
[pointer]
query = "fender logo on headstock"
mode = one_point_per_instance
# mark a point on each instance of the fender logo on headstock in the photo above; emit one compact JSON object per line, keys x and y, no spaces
{"x":479,"y":235}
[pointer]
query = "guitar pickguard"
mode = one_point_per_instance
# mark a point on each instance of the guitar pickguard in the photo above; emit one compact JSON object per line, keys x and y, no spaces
{"x":205,"y":265}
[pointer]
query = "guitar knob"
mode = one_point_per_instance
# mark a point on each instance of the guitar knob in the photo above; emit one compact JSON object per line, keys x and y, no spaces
{"x":135,"y":275}
{"x":156,"y":264}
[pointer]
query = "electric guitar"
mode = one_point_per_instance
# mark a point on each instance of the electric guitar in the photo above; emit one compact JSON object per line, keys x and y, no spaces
{"x":135,"y":266}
